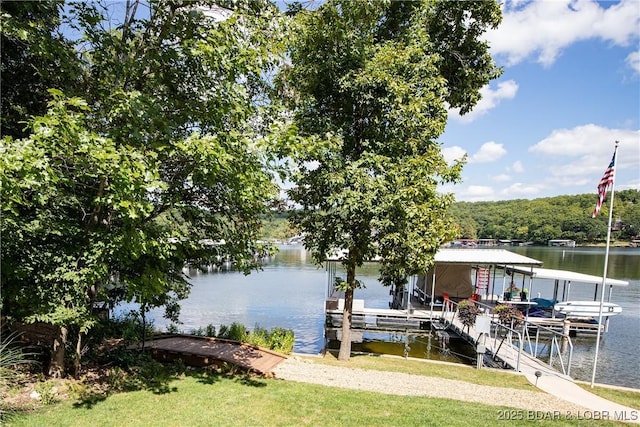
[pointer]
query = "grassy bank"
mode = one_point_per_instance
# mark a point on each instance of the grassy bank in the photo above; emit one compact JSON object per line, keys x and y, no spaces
{"x":197,"y":399}
{"x":622,"y":396}
{"x":450,"y":371}
{"x":205,"y":398}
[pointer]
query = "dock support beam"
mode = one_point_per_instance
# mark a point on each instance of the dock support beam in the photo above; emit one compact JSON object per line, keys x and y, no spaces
{"x":566,"y":326}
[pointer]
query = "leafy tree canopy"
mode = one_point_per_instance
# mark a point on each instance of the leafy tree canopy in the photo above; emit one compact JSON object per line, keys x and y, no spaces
{"x":370,"y":84}
{"x":161,"y":162}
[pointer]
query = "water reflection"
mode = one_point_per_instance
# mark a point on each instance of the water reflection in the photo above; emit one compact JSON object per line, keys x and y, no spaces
{"x":426,"y":346}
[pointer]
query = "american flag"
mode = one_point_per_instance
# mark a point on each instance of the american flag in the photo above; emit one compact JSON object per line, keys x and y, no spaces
{"x":605,"y":182}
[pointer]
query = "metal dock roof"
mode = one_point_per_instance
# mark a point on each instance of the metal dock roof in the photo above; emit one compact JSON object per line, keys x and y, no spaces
{"x":571,"y":276}
{"x":483,"y":256}
{"x":466,"y":256}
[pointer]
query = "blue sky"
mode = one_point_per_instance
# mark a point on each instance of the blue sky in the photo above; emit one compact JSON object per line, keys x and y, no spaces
{"x":570,"y":89}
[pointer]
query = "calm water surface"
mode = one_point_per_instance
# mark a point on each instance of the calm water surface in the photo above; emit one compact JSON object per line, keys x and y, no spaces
{"x":619,"y":352}
{"x":289,"y":292}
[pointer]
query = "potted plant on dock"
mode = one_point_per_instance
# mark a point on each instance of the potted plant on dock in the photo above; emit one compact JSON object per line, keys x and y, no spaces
{"x":467,"y":313}
{"x":524,"y":294}
{"x":508,"y":315}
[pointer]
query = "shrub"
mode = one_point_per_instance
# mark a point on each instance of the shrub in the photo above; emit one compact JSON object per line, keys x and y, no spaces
{"x":173,"y":329}
{"x":197,"y":332}
{"x":12,"y":358}
{"x":128,"y":327}
{"x":236,"y":332}
{"x":282,"y":340}
{"x":48,"y":392}
{"x":259,"y":336}
{"x":278,"y":339}
{"x":210,"y":330}
{"x":207,"y":331}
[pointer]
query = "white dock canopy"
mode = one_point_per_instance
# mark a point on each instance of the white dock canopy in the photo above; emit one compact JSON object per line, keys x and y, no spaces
{"x":569,"y":276}
{"x":483,"y":257}
{"x":451,"y":274}
{"x":454,"y":270}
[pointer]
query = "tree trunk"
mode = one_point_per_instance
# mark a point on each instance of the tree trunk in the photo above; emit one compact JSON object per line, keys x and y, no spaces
{"x":345,"y":343}
{"x":143,"y":333}
{"x":76,"y":361}
{"x":56,"y":368}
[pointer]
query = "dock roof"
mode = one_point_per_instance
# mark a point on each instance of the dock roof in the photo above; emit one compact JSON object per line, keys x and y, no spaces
{"x":466,"y":256}
{"x":570,"y":276}
{"x":483,"y":256}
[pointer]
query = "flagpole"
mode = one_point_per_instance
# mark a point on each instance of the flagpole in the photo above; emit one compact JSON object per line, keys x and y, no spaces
{"x":604,"y":273}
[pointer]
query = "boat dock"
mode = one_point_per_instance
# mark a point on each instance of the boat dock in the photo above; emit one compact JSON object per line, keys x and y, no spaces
{"x":204,"y":351}
{"x":487,"y":278}
{"x":575,"y":326}
{"x":383,"y":319}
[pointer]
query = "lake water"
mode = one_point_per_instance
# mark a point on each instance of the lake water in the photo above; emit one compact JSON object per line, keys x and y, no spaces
{"x":290,"y":291}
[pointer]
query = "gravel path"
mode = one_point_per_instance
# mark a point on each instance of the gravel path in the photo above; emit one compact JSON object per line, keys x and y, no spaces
{"x":301,"y":370}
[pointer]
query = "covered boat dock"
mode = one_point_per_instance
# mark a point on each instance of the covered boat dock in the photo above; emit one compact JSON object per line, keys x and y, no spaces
{"x":563,"y":280}
{"x":566,"y":278}
{"x":457,"y":274}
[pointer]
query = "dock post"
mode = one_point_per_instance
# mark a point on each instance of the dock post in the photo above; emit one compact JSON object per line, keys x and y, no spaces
{"x":480,"y":349}
{"x":566,"y":324}
{"x":407,"y":349}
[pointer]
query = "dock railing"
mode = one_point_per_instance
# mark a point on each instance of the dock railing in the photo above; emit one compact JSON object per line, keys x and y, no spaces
{"x":514,"y":341}
{"x":559,"y":345}
{"x":505,"y":334}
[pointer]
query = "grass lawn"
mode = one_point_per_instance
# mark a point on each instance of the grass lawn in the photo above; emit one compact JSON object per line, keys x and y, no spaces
{"x":451,"y":371}
{"x":623,"y":397}
{"x":200,"y":399}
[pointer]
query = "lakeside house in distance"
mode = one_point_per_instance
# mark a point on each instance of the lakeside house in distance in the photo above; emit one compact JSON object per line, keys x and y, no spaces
{"x":563,"y":242}
{"x":483,"y":243}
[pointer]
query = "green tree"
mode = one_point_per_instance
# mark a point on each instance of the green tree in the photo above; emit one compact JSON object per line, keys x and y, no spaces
{"x":539,"y":220}
{"x":628,"y":210}
{"x":162,"y":164}
{"x":35,"y":57}
{"x":370,"y":83}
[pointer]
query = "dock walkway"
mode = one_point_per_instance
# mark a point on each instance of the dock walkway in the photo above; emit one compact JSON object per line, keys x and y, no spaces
{"x":555,"y":383}
{"x":204,"y":351}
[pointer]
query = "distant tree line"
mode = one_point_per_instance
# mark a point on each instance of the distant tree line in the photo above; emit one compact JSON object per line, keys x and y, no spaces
{"x":539,"y":220}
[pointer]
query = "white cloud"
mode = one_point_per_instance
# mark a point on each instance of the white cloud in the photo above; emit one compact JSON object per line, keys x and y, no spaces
{"x":577,"y":155}
{"x":544,"y":28}
{"x":488,"y":152}
{"x":490,"y":99}
{"x":451,"y":154}
{"x":633,"y":61}
{"x":501,"y":178}
{"x":584,"y":139}
{"x":475,"y":193}
{"x":519,"y":190}
{"x":517,"y":167}
{"x":631,"y":185}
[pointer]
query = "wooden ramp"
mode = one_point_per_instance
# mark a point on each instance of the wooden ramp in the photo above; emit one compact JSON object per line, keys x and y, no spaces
{"x":204,"y":351}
